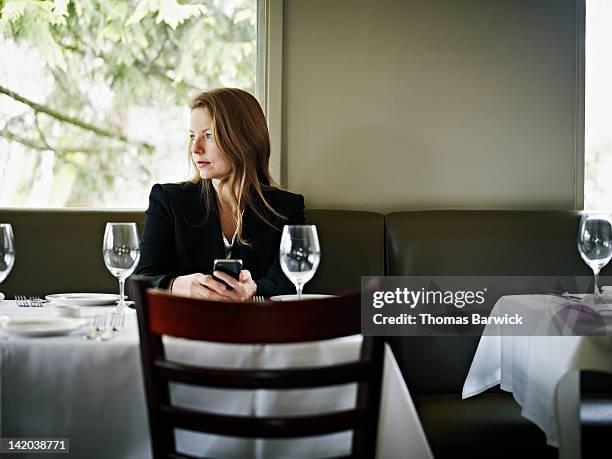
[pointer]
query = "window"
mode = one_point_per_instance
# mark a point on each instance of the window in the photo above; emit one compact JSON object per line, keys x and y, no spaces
{"x":598,"y":106}
{"x":93,"y":94}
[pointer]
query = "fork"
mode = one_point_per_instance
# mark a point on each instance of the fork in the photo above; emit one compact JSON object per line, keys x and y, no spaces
{"x":36,"y":302}
{"x":99,"y":330}
{"x":104,"y":327}
{"x":31,"y":302}
{"x":117,"y":321}
{"x":92,"y":329}
{"x":23,"y":301}
{"x":20,"y":300}
{"x":259,"y":299}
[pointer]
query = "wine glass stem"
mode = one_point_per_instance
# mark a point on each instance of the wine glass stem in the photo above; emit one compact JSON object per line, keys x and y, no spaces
{"x":121,"y":304}
{"x":596,"y":282}
{"x":298,"y":289}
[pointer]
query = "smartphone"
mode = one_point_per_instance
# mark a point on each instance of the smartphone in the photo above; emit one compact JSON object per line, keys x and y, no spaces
{"x":228,"y":266}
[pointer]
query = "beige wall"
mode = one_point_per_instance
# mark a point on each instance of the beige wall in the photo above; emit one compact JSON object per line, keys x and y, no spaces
{"x":405,"y":104}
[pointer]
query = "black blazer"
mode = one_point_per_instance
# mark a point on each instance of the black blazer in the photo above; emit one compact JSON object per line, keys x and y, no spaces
{"x":179,"y":238}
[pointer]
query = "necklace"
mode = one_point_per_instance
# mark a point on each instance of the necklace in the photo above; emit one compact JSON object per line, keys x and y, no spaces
{"x":228,"y":246}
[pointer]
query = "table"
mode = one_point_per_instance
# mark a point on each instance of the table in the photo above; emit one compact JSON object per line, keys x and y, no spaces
{"x":92,"y":392}
{"x":542,"y":372}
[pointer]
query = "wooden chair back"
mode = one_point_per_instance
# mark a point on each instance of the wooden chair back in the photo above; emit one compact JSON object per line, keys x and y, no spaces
{"x":269,"y":323}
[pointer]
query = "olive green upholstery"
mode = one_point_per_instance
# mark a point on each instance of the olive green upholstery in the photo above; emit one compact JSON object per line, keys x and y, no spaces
{"x":60,"y":250}
{"x":481,"y":427}
{"x":352,"y":245}
{"x":483,"y":243}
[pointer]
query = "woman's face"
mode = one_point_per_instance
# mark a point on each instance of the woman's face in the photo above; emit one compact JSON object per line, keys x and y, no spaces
{"x":207,"y":156}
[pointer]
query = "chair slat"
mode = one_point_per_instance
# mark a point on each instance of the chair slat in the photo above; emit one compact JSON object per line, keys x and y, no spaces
{"x":176,"y":455}
{"x":254,"y":323}
{"x":262,"y":427}
{"x":263,"y":378}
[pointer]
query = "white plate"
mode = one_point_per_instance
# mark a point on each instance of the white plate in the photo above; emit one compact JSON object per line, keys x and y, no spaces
{"x":84,"y":299}
{"x":65,"y":310}
{"x":306,"y":296}
{"x":40,"y":325}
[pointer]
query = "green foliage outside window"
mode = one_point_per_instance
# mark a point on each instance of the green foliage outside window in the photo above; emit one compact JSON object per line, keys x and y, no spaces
{"x":109,"y":70}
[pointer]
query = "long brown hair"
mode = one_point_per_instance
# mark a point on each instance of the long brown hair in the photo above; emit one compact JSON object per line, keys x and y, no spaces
{"x":241,"y":133}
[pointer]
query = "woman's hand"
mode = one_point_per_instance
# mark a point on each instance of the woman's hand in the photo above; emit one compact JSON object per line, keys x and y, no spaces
{"x":242,"y":289}
{"x":206,"y":287}
{"x":200,"y":285}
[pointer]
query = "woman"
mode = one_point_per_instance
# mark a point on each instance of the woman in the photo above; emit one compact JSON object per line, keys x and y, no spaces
{"x":230,"y":208}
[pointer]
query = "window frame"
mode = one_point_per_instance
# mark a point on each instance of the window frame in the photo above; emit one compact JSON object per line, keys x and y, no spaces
{"x":269,"y":78}
{"x":579,"y":116}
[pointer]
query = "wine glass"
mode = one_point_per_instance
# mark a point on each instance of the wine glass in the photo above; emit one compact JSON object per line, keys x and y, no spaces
{"x":7,"y":251}
{"x":595,"y":242}
{"x":299,"y":254}
{"x":121,"y":253}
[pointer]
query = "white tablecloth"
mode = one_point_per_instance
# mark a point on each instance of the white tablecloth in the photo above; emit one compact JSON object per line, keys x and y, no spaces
{"x":92,"y":392}
{"x":532,"y":368}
